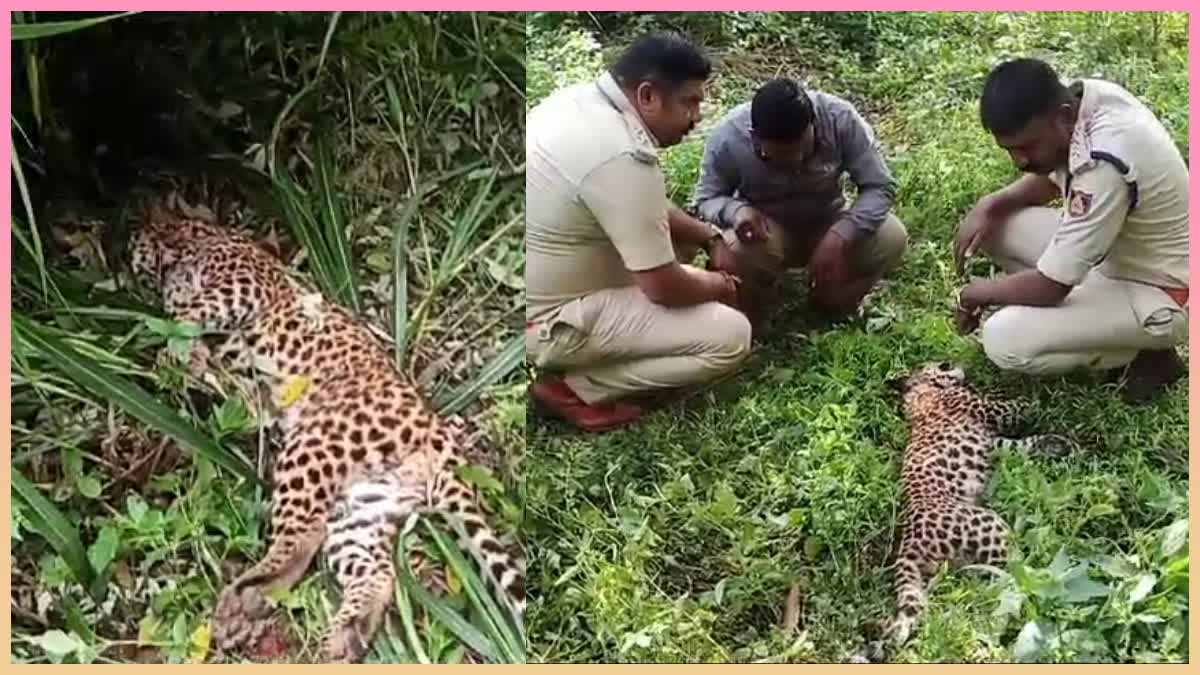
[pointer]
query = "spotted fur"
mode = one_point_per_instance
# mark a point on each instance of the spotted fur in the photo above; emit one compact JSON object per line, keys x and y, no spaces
{"x":360,"y":449}
{"x":954,"y":435}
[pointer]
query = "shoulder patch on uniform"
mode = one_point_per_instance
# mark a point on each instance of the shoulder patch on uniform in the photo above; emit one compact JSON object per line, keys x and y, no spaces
{"x":645,"y":156}
{"x":1079,"y":203}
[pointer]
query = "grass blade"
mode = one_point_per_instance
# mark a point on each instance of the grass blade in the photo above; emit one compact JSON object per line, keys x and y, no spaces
{"x":495,"y":619}
{"x":33,"y":31}
{"x":300,"y":220}
{"x":332,"y":217}
{"x":497,"y":369}
{"x":333,"y":21}
{"x":466,"y":227}
{"x":49,"y":522}
{"x":442,"y":611}
{"x":35,"y":242}
{"x":127,"y":395}
{"x":404,"y":605}
{"x":400,"y":277}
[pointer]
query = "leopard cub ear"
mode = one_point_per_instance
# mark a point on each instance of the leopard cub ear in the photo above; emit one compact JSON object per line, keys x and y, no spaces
{"x":899,"y":383}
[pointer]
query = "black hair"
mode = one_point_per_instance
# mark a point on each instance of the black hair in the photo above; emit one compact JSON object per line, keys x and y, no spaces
{"x":1016,"y":92}
{"x":781,"y":111}
{"x":666,"y":59}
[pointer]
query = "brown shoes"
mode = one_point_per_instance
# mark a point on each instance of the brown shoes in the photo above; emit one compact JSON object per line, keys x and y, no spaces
{"x":556,"y":397}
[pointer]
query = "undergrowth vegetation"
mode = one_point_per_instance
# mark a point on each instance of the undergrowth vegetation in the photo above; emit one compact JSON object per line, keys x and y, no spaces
{"x":755,"y":522}
{"x":380,"y":155}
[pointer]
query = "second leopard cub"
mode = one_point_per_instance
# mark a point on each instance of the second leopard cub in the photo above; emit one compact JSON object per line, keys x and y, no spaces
{"x":954,"y":435}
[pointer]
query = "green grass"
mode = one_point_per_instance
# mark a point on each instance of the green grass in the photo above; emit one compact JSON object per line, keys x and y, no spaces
{"x":679,"y":538}
{"x":382,"y":150}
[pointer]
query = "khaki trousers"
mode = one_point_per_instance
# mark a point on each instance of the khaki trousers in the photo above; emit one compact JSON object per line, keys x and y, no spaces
{"x":614,"y":343}
{"x":760,"y":265}
{"x":1101,"y":324}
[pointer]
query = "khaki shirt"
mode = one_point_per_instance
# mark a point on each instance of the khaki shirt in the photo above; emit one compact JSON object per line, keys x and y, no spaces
{"x":596,"y":201}
{"x":1125,"y":196}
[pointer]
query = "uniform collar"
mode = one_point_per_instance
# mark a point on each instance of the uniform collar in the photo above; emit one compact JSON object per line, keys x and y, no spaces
{"x":616,"y":97}
{"x":1081,"y":137}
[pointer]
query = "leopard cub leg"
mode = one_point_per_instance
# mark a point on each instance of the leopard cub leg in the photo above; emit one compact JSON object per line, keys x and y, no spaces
{"x":298,"y":513}
{"x":362,"y":532}
{"x":1038,"y":445}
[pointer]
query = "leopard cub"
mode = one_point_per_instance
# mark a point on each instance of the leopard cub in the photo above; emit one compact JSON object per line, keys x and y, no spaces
{"x":955,"y":433}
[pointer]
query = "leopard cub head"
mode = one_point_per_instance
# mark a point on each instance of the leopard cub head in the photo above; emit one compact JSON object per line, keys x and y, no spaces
{"x":922,"y":387}
{"x":147,"y":253}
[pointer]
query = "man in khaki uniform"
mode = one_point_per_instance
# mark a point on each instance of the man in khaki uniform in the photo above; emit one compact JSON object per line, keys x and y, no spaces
{"x":1104,"y":283}
{"x":610,"y":309}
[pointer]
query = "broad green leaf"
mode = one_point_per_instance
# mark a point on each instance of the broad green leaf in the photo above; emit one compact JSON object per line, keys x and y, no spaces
{"x":127,"y":395}
{"x":1058,"y":566}
{"x":725,"y":502}
{"x":104,"y":550}
{"x":58,"y":643}
{"x":72,"y":462}
{"x":1011,"y":600}
{"x":1116,"y":566}
{"x":136,"y":507}
{"x":1028,"y":646}
{"x":1141,"y":589}
{"x":89,"y":486}
{"x":813,"y":547}
{"x":148,"y":630}
{"x":1101,"y":509}
{"x":198,"y":645}
{"x":45,"y":519}
{"x":292,"y":390}
{"x":378,"y":262}
{"x":1082,"y":589}
{"x":1174,"y":537}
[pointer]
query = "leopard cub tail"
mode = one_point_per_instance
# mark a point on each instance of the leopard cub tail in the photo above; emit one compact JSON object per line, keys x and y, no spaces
{"x":503,"y":569}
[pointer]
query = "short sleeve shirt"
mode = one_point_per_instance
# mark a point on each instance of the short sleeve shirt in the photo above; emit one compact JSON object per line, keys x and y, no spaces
{"x":596,"y":202}
{"x":1125,"y":196}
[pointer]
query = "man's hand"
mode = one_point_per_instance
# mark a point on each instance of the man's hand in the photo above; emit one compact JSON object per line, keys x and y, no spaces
{"x":976,"y":227}
{"x":750,"y":225}
{"x":992,"y":210}
{"x":731,"y":293}
{"x":721,"y":257}
{"x":968,"y":309}
{"x":830,"y":262}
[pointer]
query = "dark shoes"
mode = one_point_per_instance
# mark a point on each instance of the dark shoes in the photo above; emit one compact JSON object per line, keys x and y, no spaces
{"x":1149,"y":374}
